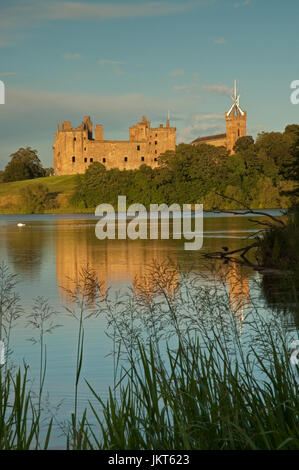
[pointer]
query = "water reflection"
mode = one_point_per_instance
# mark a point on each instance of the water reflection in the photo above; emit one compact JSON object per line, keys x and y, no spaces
{"x":116,"y":263}
{"x":120,"y":263}
{"x":26,"y":248}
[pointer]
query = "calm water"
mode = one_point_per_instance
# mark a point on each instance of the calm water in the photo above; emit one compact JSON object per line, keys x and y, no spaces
{"x":50,"y":250}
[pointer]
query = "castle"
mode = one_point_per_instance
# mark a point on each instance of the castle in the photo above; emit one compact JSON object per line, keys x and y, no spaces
{"x":235,"y":127}
{"x":75,"y":148}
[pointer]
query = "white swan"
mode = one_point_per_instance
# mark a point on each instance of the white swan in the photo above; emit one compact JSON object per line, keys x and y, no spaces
{"x":21,"y":225}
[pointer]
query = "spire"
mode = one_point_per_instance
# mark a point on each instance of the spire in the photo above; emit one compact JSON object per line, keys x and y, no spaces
{"x":235,"y":108}
{"x":168,"y":117}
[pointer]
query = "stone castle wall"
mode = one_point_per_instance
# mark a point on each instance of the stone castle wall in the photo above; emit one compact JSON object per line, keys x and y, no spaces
{"x":75,"y":149}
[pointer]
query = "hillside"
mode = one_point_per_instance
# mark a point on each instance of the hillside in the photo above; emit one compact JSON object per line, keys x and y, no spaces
{"x":63,"y":186}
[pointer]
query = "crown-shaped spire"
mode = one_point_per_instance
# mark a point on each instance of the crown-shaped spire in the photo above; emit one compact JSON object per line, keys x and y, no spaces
{"x":235,"y":108}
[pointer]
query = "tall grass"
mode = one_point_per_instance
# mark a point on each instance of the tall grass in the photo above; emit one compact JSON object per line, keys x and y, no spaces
{"x":85,"y":297}
{"x":197,"y":363}
{"x":19,"y":418}
{"x":199,"y":402}
{"x":218,"y":376}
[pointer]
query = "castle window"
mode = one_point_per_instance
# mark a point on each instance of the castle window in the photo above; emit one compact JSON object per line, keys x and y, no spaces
{"x":104,"y":160}
{"x":73,"y":159}
{"x":85,"y":160}
{"x":91,"y":160}
{"x":156,"y":142}
{"x":156,"y":152}
{"x":155,"y":159}
{"x":126,"y":159}
{"x":84,"y":148}
{"x":142,"y":159}
{"x":75,"y":139}
{"x":156,"y":135}
{"x":138,"y":147}
{"x":238,"y":132}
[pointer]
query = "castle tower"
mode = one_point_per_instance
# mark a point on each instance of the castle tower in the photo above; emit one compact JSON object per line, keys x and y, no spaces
{"x":235,"y":121}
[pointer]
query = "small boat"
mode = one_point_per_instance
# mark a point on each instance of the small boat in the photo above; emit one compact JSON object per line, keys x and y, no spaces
{"x":21,"y":225}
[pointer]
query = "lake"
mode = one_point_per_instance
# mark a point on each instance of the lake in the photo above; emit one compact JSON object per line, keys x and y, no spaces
{"x":47,"y":254}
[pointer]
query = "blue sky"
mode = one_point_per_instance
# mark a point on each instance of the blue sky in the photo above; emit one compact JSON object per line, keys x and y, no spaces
{"x":118,"y":60}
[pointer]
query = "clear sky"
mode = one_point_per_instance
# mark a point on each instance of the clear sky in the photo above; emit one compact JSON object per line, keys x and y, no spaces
{"x":117,"y":60}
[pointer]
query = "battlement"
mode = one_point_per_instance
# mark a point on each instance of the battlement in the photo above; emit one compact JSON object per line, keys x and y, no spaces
{"x":75,"y":148}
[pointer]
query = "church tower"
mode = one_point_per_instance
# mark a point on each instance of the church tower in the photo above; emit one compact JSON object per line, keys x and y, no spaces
{"x":235,"y":121}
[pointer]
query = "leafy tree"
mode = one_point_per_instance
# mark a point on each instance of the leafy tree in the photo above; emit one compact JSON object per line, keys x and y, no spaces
{"x":256,"y":175}
{"x":244,"y":143}
{"x":37,"y":198}
{"x":276,"y":146}
{"x":292,"y":168}
{"x":24,"y":164}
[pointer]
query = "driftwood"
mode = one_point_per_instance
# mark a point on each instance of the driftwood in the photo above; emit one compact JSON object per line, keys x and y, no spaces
{"x":226,"y":255}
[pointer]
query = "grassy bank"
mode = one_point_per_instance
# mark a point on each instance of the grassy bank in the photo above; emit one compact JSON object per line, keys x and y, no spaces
{"x":61,"y":187}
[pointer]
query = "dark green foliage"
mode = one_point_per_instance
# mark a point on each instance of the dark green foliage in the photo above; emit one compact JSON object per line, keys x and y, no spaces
{"x":24,"y":164}
{"x":258,"y":175}
{"x":279,"y":246}
{"x":244,"y":143}
{"x":37,"y":198}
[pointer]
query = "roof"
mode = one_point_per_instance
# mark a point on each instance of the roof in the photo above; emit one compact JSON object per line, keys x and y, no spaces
{"x":209,"y":137}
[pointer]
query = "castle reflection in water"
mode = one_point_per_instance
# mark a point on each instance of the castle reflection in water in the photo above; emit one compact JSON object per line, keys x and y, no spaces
{"x":119,"y":263}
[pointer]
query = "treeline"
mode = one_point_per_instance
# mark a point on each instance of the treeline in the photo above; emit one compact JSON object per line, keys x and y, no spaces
{"x":261,"y":174}
{"x":24,"y":164}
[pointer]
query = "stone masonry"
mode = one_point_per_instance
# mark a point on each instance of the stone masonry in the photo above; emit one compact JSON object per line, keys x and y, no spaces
{"x":75,"y":148}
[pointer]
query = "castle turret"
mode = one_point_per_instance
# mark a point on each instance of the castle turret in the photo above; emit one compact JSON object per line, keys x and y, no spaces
{"x":235,"y":121}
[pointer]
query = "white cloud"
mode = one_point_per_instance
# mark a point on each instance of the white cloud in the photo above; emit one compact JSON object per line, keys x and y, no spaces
{"x":61,"y":103}
{"x":205,"y":124}
{"x":109,"y":62}
{"x":245,"y":3}
{"x":7,"y":74}
{"x":113,"y":64}
{"x":72,"y":56}
{"x":34,"y":10}
{"x":9,"y":39}
{"x":177,"y":73}
{"x":219,"y":89}
{"x":189,"y":88}
{"x":220,"y":41}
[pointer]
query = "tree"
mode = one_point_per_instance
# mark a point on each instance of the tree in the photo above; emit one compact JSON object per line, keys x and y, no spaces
{"x":244,"y":143}
{"x":278,"y":147}
{"x":24,"y":164}
{"x":37,"y":197}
